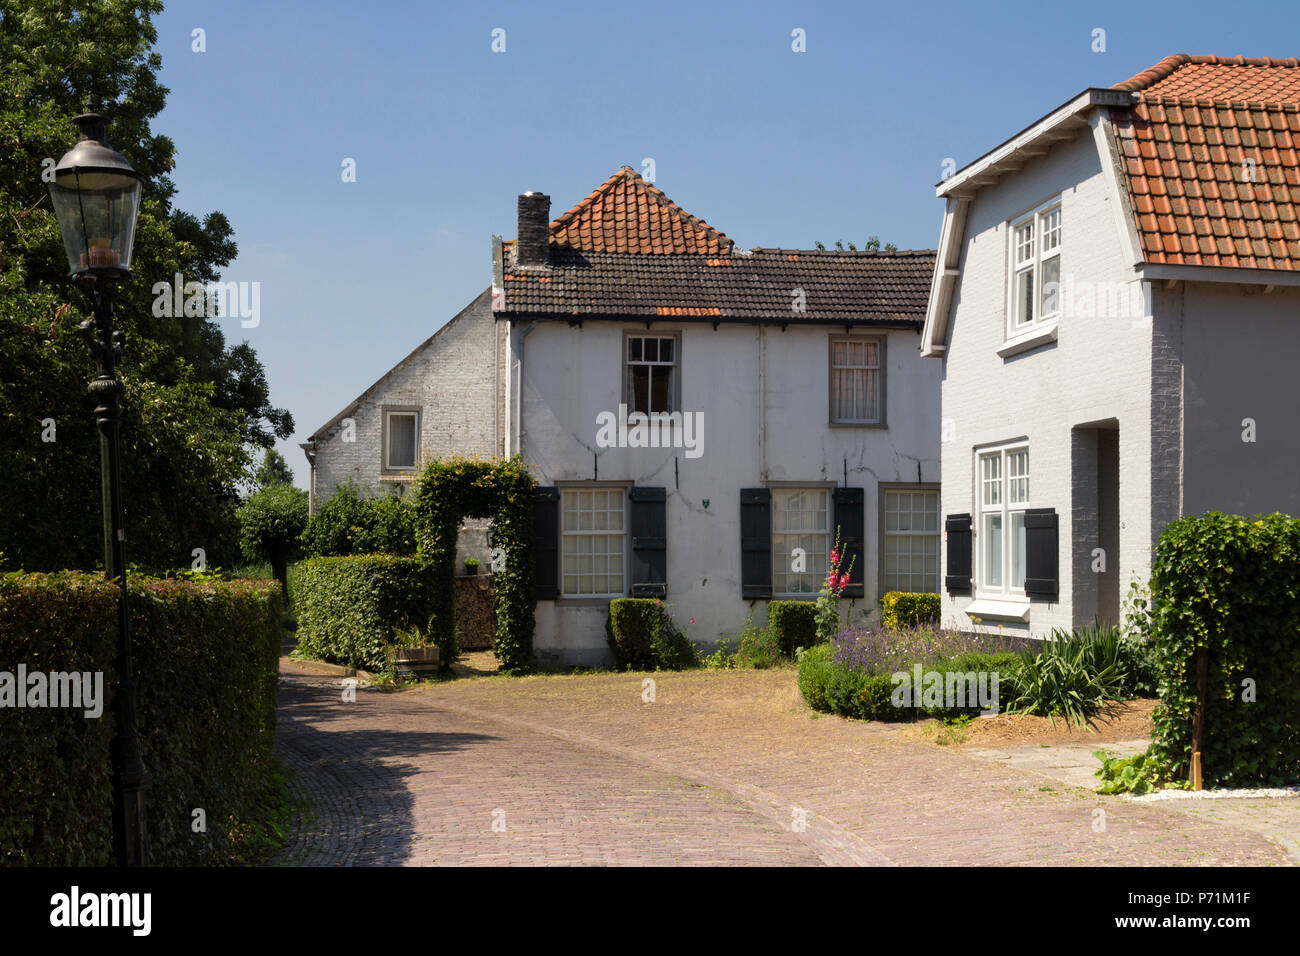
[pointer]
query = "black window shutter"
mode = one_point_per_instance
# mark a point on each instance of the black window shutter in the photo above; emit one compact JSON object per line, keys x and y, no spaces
{"x":755,"y":543}
{"x":1041,"y":572}
{"x":957,"y":530}
{"x":849,"y":518}
{"x":546,"y":543}
{"x":649,"y":542}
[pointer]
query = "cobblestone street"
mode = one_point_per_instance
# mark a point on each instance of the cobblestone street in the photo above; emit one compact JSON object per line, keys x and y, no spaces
{"x":722,"y":767}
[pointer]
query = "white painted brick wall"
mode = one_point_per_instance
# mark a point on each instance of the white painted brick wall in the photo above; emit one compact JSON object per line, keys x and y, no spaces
{"x":453,"y":379}
{"x":1099,"y":369}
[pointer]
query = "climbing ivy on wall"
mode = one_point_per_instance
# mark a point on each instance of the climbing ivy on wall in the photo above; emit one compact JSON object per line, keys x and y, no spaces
{"x":453,"y":489}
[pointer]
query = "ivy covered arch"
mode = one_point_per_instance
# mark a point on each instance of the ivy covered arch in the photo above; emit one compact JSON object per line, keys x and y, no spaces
{"x":451,"y":490}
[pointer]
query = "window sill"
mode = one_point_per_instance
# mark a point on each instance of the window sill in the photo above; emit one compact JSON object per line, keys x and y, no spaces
{"x":1028,"y":341}
{"x":856,"y":425}
{"x":999,"y":610}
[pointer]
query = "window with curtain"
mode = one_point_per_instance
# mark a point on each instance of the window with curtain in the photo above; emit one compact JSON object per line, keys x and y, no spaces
{"x":855,"y":381}
{"x":800,"y":519}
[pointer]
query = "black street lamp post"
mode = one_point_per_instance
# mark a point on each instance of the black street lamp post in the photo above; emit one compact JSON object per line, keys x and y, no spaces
{"x":96,"y":198}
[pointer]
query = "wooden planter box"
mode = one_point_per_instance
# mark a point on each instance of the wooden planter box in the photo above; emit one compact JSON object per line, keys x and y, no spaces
{"x":411,"y":662}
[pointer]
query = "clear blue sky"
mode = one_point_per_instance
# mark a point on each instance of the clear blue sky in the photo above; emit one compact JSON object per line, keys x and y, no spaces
{"x":773,"y":147}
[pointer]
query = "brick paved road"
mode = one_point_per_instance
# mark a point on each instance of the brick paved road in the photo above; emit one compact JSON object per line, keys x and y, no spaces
{"x":723,"y":767}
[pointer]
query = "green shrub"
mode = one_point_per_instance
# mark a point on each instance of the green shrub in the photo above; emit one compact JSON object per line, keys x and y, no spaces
{"x":904,"y":609}
{"x":271,"y":523}
{"x":351,"y":522}
{"x":1006,"y":664}
{"x":205,"y":654}
{"x":795,"y":623}
{"x":644,"y":637}
{"x":1231,"y":586}
{"x":760,"y":647}
{"x":832,"y":688}
{"x":351,"y":609}
{"x":721,"y":658}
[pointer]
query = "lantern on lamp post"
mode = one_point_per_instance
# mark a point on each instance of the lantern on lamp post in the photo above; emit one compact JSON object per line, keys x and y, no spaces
{"x":96,"y":198}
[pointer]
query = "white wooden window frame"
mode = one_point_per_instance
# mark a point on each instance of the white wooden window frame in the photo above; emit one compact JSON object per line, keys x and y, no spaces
{"x":389,"y":415}
{"x":934,"y":533}
{"x":1043,"y":253}
{"x":811,"y":579}
{"x":567,"y":560}
{"x":1012,"y":489}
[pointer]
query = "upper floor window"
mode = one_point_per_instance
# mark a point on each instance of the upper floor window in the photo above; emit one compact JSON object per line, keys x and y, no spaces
{"x":1003,"y":497}
{"x":401,"y":439}
{"x":651,"y":376}
{"x":855,"y":381}
{"x":1036,"y":268}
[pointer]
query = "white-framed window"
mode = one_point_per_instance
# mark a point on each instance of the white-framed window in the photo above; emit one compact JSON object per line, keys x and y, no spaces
{"x":911,"y":540}
{"x":856,"y":381}
{"x":801,"y":518}
{"x":650,"y":377}
{"x":1003,"y":497}
{"x":1035,"y":269}
{"x":401,"y":439}
{"x":593,"y":542}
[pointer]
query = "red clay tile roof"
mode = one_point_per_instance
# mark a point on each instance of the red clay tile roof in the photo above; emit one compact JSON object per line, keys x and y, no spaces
{"x":627,"y":214}
{"x":1209,"y":155}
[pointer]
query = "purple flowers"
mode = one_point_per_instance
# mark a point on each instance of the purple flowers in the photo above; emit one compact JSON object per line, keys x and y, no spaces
{"x":874,"y":650}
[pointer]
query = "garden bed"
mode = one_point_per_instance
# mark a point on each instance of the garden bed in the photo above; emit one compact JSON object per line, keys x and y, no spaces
{"x":1116,"y":721}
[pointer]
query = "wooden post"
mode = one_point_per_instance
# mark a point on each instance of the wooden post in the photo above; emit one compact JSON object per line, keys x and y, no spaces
{"x":1198,"y":722}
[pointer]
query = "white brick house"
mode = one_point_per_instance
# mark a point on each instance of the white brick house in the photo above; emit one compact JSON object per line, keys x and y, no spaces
{"x":810,"y":408}
{"x":445,"y":397}
{"x":1116,"y":311}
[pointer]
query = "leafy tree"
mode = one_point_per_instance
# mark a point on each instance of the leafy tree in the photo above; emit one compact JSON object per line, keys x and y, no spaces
{"x":274,"y":470}
{"x":194,"y":406}
{"x":271,"y":523}
{"x":352,"y":522}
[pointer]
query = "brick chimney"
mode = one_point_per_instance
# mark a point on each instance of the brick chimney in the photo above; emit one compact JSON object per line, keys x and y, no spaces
{"x":534,"y":231}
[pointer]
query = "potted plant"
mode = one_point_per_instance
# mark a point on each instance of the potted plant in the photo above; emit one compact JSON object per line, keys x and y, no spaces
{"x":471,"y":565}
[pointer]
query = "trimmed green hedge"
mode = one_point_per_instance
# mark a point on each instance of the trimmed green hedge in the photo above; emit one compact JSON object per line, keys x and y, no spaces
{"x":351,"y":609}
{"x":643,"y":637}
{"x":902,"y":609}
{"x":455,"y":488}
{"x":831,"y":687}
{"x":206,"y":658}
{"x":795,"y":622}
{"x":1230,"y":585}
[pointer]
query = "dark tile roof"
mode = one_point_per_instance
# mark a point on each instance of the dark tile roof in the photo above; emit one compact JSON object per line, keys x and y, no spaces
{"x":627,"y":214}
{"x":1209,"y":156}
{"x":885,"y":288}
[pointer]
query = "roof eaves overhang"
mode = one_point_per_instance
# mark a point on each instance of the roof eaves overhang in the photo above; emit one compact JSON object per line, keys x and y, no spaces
{"x":1065,"y":122}
{"x":574,"y":318}
{"x":1170,"y":272}
{"x":1034,"y":140}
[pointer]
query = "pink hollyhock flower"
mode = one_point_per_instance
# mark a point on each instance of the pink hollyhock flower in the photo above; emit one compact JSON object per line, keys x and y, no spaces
{"x":835,"y":557}
{"x":692,"y":620}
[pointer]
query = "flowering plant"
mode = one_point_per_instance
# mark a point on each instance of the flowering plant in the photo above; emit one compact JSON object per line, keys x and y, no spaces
{"x":828,"y":600}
